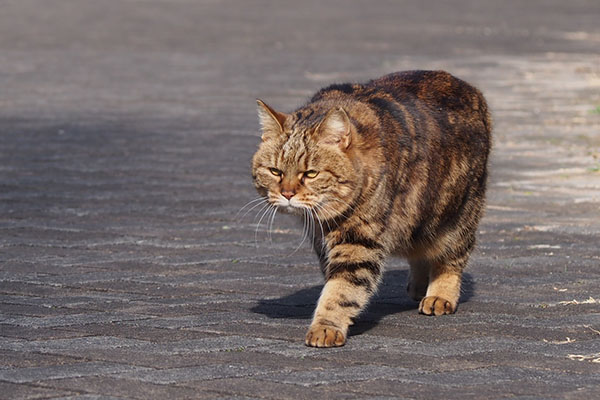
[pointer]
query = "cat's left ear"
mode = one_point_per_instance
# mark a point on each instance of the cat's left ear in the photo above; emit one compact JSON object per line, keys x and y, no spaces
{"x":271,"y":121}
{"x":335,"y":128}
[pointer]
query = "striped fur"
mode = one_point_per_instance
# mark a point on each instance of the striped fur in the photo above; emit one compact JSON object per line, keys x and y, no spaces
{"x":401,"y":165}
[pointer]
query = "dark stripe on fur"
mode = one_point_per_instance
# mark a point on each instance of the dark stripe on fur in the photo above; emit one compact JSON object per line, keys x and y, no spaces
{"x":371,"y":266}
{"x":390,"y":107}
{"x":351,"y":236}
{"x":327,"y":322}
{"x":347,"y":88}
{"x":349,"y":304}
{"x":342,"y":87}
{"x":364,"y":282}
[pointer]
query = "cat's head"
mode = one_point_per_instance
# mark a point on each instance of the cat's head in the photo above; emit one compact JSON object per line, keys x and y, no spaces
{"x":306,"y":163}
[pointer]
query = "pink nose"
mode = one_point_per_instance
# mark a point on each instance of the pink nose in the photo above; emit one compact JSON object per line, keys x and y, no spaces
{"x":288,"y":194}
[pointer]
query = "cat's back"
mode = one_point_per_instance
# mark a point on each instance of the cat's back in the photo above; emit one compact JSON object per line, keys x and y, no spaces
{"x":435,"y":88}
{"x":433,"y":109}
{"x":418,"y":92}
{"x":435,"y":92}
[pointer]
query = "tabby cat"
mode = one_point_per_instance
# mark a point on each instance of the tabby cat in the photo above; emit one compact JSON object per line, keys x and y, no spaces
{"x":398,"y":166}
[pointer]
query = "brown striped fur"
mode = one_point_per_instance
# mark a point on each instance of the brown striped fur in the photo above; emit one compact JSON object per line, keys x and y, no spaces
{"x":401,"y":166}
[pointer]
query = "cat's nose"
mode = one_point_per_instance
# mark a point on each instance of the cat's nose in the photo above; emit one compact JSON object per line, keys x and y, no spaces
{"x":288,"y":194}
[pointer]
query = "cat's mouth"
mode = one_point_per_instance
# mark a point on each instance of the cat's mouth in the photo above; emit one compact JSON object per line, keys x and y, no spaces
{"x":293,"y":207}
{"x":290,"y":206}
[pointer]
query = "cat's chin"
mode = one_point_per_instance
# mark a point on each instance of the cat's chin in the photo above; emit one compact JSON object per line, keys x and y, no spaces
{"x":292,"y":210}
{"x":290,"y":207}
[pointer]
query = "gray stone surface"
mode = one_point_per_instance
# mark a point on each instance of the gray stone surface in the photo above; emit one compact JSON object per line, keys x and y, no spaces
{"x":128,"y":272}
{"x":25,"y":375}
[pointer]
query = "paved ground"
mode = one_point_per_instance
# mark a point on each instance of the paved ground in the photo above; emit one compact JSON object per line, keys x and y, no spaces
{"x":126,"y":131}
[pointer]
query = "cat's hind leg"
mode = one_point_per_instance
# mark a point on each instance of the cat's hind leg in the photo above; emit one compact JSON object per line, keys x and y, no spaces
{"x":418,"y":280}
{"x":443,"y":291}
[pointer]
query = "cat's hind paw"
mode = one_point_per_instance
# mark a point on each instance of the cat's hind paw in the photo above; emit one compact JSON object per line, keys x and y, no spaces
{"x":434,"y":305}
{"x":324,"y":336}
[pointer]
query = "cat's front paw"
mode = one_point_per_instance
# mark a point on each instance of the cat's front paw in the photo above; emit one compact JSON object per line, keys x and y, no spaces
{"x":434,"y":305}
{"x":324,"y":336}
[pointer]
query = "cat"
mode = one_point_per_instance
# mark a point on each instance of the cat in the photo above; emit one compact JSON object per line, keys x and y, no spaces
{"x":395,"y":166}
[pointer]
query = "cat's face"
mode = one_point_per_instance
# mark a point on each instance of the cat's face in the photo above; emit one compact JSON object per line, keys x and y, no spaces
{"x":301,"y":167}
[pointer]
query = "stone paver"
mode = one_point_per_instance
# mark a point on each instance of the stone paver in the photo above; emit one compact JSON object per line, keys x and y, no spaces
{"x":126,"y":131}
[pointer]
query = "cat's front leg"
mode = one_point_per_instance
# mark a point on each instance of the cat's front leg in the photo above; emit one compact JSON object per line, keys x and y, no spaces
{"x":352,"y":275}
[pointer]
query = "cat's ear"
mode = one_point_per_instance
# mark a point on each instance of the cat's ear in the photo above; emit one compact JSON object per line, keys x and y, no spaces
{"x":271,"y":121}
{"x":335,"y":128}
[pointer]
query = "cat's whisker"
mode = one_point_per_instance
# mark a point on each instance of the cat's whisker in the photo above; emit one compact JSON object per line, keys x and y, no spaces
{"x":259,"y":221}
{"x":248,"y":204}
{"x":322,"y":232}
{"x":350,"y":206}
{"x":260,"y":211}
{"x":314,"y":226}
{"x":304,"y":232}
{"x":324,"y":244}
{"x":268,"y":217}
{"x":335,"y":198}
{"x":309,"y":231}
{"x":327,"y":214}
{"x":249,"y":207}
{"x":253,"y":207}
{"x":271,"y":224}
{"x":311,"y":224}
{"x":331,"y":212}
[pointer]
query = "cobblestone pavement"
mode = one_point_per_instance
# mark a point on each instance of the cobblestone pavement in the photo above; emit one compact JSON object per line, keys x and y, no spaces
{"x":126,"y":132}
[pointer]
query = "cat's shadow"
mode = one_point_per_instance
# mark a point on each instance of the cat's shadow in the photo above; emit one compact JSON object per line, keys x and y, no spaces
{"x":391,"y":298}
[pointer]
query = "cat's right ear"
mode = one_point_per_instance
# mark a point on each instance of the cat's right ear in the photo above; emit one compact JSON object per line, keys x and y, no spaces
{"x":271,"y":121}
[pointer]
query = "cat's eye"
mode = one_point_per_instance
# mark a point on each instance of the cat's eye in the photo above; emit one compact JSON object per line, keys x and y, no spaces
{"x":311,"y":174}
{"x":275,"y":171}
